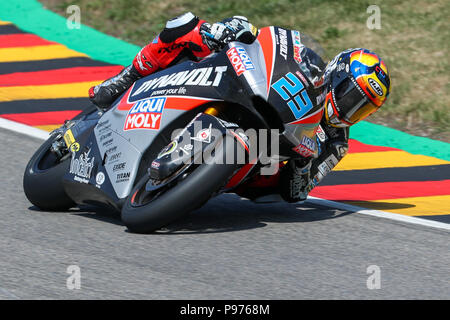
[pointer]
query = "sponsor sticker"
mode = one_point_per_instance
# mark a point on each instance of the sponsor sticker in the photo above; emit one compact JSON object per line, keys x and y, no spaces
{"x":340,"y":67}
{"x":103,"y":126}
{"x":240,"y":60}
{"x":283,"y":43}
{"x":155,"y":164}
{"x":69,"y":138}
{"x":145,"y":114}
{"x":122,"y":177}
{"x":306,"y":148}
{"x":203,"y":135}
{"x":107,"y":142}
{"x":328,"y":165}
{"x":324,"y":168}
{"x":119,"y":166}
{"x":75,"y":147}
{"x":114,"y":157}
{"x":100,"y":178}
{"x":227,"y":124}
{"x":376,"y":87}
{"x":321,"y":134}
{"x":111,"y":150}
{"x":298,"y":46}
{"x":82,"y":166}
{"x":321,"y":97}
{"x":302,"y":77}
{"x":165,"y":92}
{"x":187,"y":148}
{"x":332,"y":161}
{"x":207,"y":76}
{"x":105,"y":136}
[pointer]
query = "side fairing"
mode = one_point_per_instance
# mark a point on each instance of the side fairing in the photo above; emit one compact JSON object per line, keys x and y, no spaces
{"x":292,"y":91}
{"x":268,"y":68}
{"x":127,"y":130}
{"x":248,"y":67}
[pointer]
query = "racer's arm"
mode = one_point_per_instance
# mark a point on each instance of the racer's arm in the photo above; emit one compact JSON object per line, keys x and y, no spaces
{"x":333,"y":146}
{"x":180,"y":38}
{"x":183,"y":36}
{"x":187,"y":35}
{"x":298,"y":177}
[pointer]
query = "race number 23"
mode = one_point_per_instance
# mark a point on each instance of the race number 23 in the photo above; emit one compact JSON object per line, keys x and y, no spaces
{"x":292,"y":89}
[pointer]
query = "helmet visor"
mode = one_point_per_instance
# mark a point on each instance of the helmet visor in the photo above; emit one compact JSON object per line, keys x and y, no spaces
{"x":352,"y":104}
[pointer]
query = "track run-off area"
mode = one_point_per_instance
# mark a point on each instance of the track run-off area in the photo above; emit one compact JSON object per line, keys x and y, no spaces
{"x":231,"y":248}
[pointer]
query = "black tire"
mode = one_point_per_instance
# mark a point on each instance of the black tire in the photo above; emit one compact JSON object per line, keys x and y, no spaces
{"x":42,"y":180}
{"x":190,"y":193}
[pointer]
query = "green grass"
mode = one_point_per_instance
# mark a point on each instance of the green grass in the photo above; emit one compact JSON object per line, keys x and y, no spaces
{"x":413,"y":40}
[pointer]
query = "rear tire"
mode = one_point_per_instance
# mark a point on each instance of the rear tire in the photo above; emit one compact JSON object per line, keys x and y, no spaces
{"x":42,"y":181}
{"x":185,"y":196}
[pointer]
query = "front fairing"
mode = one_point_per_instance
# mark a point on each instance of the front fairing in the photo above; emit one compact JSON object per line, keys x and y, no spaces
{"x":294,"y":91}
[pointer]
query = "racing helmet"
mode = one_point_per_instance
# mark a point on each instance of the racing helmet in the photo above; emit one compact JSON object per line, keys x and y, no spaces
{"x":358,"y":85}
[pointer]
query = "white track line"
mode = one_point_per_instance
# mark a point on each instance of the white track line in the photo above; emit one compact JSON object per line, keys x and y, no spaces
{"x":24,"y":129}
{"x":41,"y":134}
{"x":379,"y":214}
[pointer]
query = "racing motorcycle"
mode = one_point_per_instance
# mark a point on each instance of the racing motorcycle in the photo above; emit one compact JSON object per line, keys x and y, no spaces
{"x":129,"y":159}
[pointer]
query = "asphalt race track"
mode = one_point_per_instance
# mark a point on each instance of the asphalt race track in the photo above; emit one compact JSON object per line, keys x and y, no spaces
{"x":229,"y":249}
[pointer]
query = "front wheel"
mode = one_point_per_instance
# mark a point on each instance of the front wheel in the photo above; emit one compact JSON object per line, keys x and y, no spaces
{"x":145,"y":211}
{"x":42,"y":180}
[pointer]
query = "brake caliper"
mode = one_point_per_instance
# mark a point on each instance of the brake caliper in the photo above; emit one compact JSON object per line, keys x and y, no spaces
{"x":202,"y":134}
{"x":63,"y":140}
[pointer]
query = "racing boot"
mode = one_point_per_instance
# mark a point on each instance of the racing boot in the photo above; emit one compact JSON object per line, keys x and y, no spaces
{"x":260,"y":189}
{"x":294,"y":180}
{"x":104,"y":94}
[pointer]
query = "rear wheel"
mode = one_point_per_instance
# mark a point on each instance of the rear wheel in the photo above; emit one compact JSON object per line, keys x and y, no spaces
{"x":42,"y":181}
{"x":148,"y":209}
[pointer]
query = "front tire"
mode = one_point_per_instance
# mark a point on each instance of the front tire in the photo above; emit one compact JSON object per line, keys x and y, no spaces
{"x":188,"y":194}
{"x":42,"y":181}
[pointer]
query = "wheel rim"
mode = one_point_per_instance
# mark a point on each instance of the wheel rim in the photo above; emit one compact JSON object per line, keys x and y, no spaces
{"x":142,"y":196}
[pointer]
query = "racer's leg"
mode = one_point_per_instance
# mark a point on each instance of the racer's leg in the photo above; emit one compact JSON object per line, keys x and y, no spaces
{"x":104,"y":94}
{"x":288,"y":184}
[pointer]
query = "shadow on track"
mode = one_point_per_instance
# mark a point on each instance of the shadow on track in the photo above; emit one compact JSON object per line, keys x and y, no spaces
{"x":226,"y":213}
{"x":383,"y":206}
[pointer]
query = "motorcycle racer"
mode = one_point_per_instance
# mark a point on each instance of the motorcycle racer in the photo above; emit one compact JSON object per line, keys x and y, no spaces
{"x":354,"y":85}
{"x":184,"y":37}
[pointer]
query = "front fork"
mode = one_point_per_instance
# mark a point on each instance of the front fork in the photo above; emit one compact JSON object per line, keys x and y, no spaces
{"x":62,"y":140}
{"x":194,"y":143}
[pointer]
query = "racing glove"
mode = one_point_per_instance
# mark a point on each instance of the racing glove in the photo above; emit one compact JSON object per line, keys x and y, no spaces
{"x":237,"y":28}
